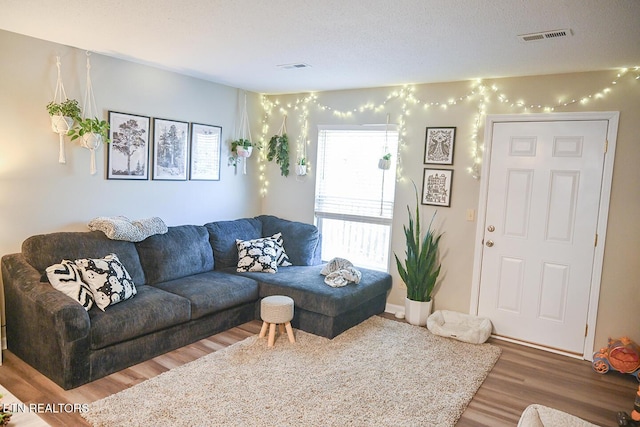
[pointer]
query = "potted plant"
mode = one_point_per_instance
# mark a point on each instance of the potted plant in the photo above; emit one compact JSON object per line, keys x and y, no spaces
{"x":421,"y":267}
{"x":385,"y":162}
{"x":63,"y":115}
{"x":92,"y":131}
{"x":301,"y":166}
{"x":241,"y":148}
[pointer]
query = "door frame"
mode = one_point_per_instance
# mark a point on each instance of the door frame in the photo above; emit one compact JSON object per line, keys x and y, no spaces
{"x":603,"y":212}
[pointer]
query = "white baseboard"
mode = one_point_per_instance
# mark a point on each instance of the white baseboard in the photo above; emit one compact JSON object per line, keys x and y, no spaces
{"x":393,"y":308}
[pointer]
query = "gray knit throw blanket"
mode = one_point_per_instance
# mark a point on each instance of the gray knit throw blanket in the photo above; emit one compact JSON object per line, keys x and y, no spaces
{"x":340,"y":272}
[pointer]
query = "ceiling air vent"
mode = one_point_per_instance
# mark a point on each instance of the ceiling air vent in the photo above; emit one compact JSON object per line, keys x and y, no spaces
{"x":545,"y":35}
{"x":294,"y":66}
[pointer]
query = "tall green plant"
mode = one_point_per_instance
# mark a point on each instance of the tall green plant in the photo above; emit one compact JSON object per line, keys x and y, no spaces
{"x":422,"y":267}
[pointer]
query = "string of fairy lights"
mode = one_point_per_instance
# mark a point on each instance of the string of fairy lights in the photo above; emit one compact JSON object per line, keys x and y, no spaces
{"x":405,"y":100}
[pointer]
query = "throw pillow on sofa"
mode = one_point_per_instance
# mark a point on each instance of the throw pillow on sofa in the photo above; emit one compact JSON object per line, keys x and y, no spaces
{"x":66,"y":278}
{"x":109,"y":281}
{"x":282,"y":257}
{"x":257,"y":255}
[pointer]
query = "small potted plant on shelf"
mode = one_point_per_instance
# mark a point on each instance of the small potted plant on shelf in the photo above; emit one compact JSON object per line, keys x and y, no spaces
{"x":421,"y":267}
{"x":385,"y":162}
{"x":301,"y":166}
{"x":63,"y":115}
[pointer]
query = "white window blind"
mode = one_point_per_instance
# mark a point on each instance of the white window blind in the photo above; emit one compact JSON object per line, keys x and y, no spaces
{"x":349,"y":182}
{"x":354,"y":198}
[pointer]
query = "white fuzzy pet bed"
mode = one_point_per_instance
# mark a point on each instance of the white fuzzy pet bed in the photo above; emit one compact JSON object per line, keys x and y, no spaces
{"x":463,"y":327}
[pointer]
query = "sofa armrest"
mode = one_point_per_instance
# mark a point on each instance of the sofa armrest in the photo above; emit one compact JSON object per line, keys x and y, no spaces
{"x":24,"y":289}
{"x":45,"y":327}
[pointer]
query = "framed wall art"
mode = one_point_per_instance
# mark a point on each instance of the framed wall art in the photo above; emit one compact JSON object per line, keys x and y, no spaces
{"x":438,"y":146}
{"x":205,"y":152}
{"x":436,"y":187}
{"x":170,"y":141}
{"x":128,"y":152}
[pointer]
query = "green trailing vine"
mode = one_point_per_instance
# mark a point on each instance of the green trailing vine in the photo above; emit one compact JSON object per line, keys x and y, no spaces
{"x":278,"y":150}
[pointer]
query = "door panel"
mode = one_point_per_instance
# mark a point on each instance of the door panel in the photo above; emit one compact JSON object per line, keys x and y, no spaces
{"x":542,"y":205}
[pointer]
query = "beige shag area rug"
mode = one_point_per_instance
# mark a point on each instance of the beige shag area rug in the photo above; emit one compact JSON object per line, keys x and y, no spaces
{"x":379,"y":373}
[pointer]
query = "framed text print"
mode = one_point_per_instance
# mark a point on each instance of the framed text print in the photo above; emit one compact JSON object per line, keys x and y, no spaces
{"x":205,"y":152}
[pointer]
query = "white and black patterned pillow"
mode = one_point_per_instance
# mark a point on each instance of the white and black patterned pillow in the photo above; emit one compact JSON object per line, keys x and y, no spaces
{"x":282,"y":257}
{"x":66,"y":278}
{"x":257,"y":255}
{"x":109,"y":281}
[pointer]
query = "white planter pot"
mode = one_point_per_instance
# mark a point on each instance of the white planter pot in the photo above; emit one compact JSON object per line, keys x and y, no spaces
{"x":301,"y":170}
{"x":244,"y":152}
{"x":61,"y":124}
{"x":384,"y":164}
{"x":417,"y":312}
{"x":91,"y":140}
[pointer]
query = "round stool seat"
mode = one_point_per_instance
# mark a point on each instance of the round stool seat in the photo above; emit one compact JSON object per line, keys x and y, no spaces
{"x":276,"y":309}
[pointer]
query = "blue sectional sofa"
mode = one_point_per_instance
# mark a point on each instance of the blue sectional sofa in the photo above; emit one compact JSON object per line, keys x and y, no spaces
{"x":187,"y":288}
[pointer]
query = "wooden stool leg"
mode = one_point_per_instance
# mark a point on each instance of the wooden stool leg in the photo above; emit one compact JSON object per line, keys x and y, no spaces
{"x":281,"y":328}
{"x":263,"y":331}
{"x":290,"y":332}
{"x":272,"y":334}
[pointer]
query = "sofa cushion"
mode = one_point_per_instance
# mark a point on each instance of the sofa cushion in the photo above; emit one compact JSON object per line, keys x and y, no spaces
{"x":300,"y":240}
{"x":151,"y":310}
{"x":66,"y":278}
{"x":108,"y":279}
{"x":213,"y":291}
{"x":223,"y":235}
{"x":44,"y":250}
{"x":182,"y":251}
{"x":257,"y":255}
{"x":309,"y":292}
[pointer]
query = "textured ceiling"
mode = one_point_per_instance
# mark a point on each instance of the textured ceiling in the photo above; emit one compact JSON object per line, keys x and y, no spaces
{"x":348,"y":43}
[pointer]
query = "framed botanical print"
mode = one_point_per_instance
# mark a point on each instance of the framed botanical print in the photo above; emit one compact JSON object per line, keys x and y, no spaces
{"x":170,"y":140}
{"x":205,"y":152}
{"x":128,"y":152}
{"x":436,"y":187}
{"x":438,"y":146}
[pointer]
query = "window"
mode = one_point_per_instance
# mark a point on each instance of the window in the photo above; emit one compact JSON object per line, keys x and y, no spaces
{"x":354,"y":198}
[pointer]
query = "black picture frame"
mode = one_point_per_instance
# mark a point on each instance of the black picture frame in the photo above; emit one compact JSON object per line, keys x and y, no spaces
{"x":436,"y":187}
{"x":439,"y":145}
{"x":206,"y":146}
{"x":128,"y":151}
{"x":170,"y":150}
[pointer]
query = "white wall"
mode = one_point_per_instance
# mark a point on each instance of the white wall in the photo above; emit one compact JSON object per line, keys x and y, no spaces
{"x":620,"y":294}
{"x":39,"y":195}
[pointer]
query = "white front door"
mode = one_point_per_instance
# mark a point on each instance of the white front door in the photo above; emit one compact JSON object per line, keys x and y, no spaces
{"x":540,"y":226}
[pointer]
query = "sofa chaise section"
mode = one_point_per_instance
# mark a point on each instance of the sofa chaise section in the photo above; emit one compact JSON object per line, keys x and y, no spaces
{"x":321,"y":309}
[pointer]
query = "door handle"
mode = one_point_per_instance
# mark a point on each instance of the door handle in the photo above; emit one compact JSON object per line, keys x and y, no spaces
{"x":489,"y":243}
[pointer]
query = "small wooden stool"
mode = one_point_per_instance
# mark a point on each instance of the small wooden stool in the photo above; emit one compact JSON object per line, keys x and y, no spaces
{"x":276,"y":310}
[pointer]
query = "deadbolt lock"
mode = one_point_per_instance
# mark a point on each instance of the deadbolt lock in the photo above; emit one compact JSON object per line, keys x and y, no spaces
{"x":491,"y":228}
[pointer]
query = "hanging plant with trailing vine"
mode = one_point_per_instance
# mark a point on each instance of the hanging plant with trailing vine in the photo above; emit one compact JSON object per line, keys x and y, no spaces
{"x":278,"y":150}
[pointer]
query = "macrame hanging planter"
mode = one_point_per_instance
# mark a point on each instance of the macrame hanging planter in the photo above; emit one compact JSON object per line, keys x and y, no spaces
{"x":60,"y":123}
{"x":90,"y":140}
{"x":385,"y":161}
{"x":301,"y":160}
{"x":242,"y":148}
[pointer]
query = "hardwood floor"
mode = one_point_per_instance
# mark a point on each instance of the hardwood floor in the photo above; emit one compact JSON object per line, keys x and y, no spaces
{"x":521,"y":376}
